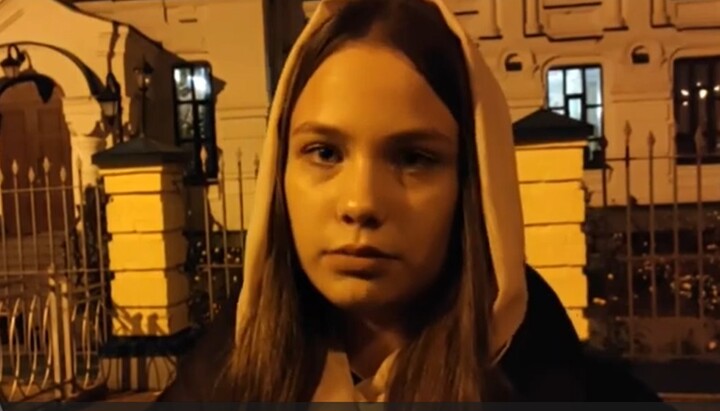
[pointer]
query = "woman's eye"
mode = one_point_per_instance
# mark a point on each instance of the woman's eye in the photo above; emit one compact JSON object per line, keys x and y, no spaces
{"x":323,"y":154}
{"x":415,"y":159}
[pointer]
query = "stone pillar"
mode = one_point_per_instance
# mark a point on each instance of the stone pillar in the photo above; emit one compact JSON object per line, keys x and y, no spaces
{"x":83,"y":118}
{"x":83,"y":148}
{"x":550,"y":170}
{"x":145,"y":219}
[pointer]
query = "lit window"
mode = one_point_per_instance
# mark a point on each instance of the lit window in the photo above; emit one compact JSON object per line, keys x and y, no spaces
{"x":195,"y":117}
{"x":577,"y":92}
{"x":697,"y":109}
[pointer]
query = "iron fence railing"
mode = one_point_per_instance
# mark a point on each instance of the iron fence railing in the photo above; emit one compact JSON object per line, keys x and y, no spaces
{"x":53,"y":282}
{"x":654,"y":260}
{"x":55,"y":306}
{"x":216,"y":236}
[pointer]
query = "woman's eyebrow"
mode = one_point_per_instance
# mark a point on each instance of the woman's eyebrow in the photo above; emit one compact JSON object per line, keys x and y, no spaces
{"x":420,"y":135}
{"x":313,"y":127}
{"x":411,"y":135}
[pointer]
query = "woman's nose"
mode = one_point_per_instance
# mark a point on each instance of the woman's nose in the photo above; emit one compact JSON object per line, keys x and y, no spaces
{"x":360,"y":201}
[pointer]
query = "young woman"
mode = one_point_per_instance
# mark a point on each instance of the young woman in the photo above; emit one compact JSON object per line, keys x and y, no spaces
{"x":385,"y":256}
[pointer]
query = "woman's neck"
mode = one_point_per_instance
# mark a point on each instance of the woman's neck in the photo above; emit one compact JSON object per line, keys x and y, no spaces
{"x":368,"y":343}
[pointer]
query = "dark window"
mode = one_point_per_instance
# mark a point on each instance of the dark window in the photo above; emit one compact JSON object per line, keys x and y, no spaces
{"x":194,"y":102}
{"x":696,"y":90}
{"x":577,"y":92}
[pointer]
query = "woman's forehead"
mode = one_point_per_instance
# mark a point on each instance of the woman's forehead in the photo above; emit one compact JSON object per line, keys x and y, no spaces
{"x":370,"y":88}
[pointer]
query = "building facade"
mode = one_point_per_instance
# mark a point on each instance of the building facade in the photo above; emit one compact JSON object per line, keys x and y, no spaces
{"x":81,"y":77}
{"x":209,"y":87}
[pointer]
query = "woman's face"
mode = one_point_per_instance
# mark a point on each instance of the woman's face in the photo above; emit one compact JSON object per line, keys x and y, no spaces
{"x":371,"y":179}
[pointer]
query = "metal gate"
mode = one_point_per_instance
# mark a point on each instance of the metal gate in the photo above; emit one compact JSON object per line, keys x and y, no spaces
{"x":53,"y":284}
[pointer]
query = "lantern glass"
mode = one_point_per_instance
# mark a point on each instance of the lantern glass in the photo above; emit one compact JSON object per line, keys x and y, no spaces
{"x":109,"y":108}
{"x":11,"y":71}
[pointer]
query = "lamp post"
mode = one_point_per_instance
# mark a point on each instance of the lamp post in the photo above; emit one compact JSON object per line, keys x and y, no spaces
{"x":11,"y":64}
{"x":109,"y":99}
{"x":142,"y":78}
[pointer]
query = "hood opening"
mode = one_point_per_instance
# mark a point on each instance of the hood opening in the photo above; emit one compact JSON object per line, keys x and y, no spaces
{"x":489,"y":129}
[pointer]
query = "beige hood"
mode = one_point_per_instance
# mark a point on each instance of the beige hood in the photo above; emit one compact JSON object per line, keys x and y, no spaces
{"x":498,"y":173}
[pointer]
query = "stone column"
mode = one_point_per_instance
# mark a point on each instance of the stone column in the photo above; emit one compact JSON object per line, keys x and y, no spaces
{"x":83,"y":148}
{"x":550,"y":170}
{"x":83,"y":118}
{"x":145,"y":219}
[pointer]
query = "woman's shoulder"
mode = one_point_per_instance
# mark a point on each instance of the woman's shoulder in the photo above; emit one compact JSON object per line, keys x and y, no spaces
{"x":541,"y":359}
{"x":547,"y":361}
{"x":546,"y":332}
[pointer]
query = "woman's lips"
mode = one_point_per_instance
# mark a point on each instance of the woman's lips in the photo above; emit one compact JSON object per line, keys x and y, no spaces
{"x":359,"y":261}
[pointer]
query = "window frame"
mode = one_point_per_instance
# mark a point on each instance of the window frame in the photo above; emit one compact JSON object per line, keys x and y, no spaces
{"x":196,"y":173}
{"x":712,"y":110}
{"x":598,"y":162}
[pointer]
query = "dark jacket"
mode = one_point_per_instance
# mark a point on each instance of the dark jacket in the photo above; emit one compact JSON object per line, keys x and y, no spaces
{"x":545,"y":361}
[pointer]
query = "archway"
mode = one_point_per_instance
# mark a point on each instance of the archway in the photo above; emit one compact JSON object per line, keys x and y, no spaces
{"x":35,"y":160}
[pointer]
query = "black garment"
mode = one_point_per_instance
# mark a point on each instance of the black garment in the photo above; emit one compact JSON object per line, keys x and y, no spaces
{"x":545,"y":362}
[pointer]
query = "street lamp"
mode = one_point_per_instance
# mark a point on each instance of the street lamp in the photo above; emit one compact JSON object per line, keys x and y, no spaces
{"x":109,"y":99}
{"x":11,"y":64}
{"x":142,"y":75}
{"x":142,"y":78}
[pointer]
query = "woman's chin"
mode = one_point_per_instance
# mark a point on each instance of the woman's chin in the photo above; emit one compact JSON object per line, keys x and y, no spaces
{"x":357,"y":295}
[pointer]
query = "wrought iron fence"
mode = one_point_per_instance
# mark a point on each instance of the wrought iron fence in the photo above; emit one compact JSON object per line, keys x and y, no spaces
{"x":216,"y":236}
{"x":53,"y":282}
{"x":55,"y":305}
{"x":654,"y":256}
